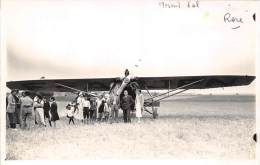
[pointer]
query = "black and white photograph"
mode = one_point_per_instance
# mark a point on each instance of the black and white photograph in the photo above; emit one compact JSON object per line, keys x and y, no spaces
{"x":129,"y":80}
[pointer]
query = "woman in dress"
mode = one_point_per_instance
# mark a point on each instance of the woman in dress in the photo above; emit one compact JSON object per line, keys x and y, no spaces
{"x":38,"y":105}
{"x":79,"y":113}
{"x":54,"y":111}
{"x":139,"y":104}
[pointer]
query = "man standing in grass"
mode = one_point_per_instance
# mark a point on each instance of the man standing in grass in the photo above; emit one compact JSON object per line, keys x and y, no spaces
{"x":17,"y":113}
{"x":46,"y":110}
{"x":93,"y":109}
{"x":127,"y":102}
{"x":27,"y":111}
{"x":86,"y":109}
{"x":114,"y":106}
{"x":10,"y":110}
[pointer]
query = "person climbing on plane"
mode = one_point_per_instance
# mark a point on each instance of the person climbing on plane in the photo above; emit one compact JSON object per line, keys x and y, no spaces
{"x":125,"y":80}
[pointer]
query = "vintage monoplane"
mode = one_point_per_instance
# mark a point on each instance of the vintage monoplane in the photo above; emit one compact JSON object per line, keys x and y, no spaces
{"x":115,"y":86}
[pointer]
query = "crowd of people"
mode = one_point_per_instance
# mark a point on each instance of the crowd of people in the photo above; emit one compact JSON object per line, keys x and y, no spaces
{"x":104,"y":109}
{"x":28,"y":112}
{"x":39,"y":111}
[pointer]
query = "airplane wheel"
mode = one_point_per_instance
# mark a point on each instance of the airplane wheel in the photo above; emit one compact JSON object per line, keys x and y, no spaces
{"x":155,"y":114}
{"x":255,"y":137}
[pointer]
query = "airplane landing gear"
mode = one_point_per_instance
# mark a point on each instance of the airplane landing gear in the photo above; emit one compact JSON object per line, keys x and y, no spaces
{"x":155,"y":113}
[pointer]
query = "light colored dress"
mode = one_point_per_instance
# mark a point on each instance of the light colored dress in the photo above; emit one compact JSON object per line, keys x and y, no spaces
{"x":139,"y":103}
{"x":40,"y":111}
{"x":11,"y":104}
{"x":79,"y":114}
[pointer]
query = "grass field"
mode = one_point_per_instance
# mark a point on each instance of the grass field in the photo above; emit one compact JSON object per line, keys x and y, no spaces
{"x":183,"y":134}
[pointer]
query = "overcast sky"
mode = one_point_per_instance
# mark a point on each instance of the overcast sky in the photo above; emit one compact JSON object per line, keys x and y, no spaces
{"x":81,"y":39}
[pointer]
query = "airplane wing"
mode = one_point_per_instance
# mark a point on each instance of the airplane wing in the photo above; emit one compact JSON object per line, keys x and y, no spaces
{"x":151,"y":83}
{"x":62,"y":85}
{"x":197,"y":82}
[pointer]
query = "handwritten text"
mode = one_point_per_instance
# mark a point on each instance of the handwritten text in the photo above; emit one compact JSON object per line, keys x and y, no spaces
{"x":179,"y":4}
{"x":234,"y":21}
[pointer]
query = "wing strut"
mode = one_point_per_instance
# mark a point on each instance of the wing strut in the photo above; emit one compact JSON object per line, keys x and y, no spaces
{"x":65,"y":86}
{"x":184,"y":86}
{"x":166,"y":95}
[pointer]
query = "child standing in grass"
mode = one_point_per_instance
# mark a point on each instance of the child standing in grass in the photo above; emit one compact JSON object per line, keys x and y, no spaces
{"x":70,"y":113}
{"x":54,"y":111}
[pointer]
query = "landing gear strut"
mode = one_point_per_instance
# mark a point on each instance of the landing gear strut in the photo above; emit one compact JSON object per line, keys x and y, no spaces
{"x":151,"y":102}
{"x":155,"y":114}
